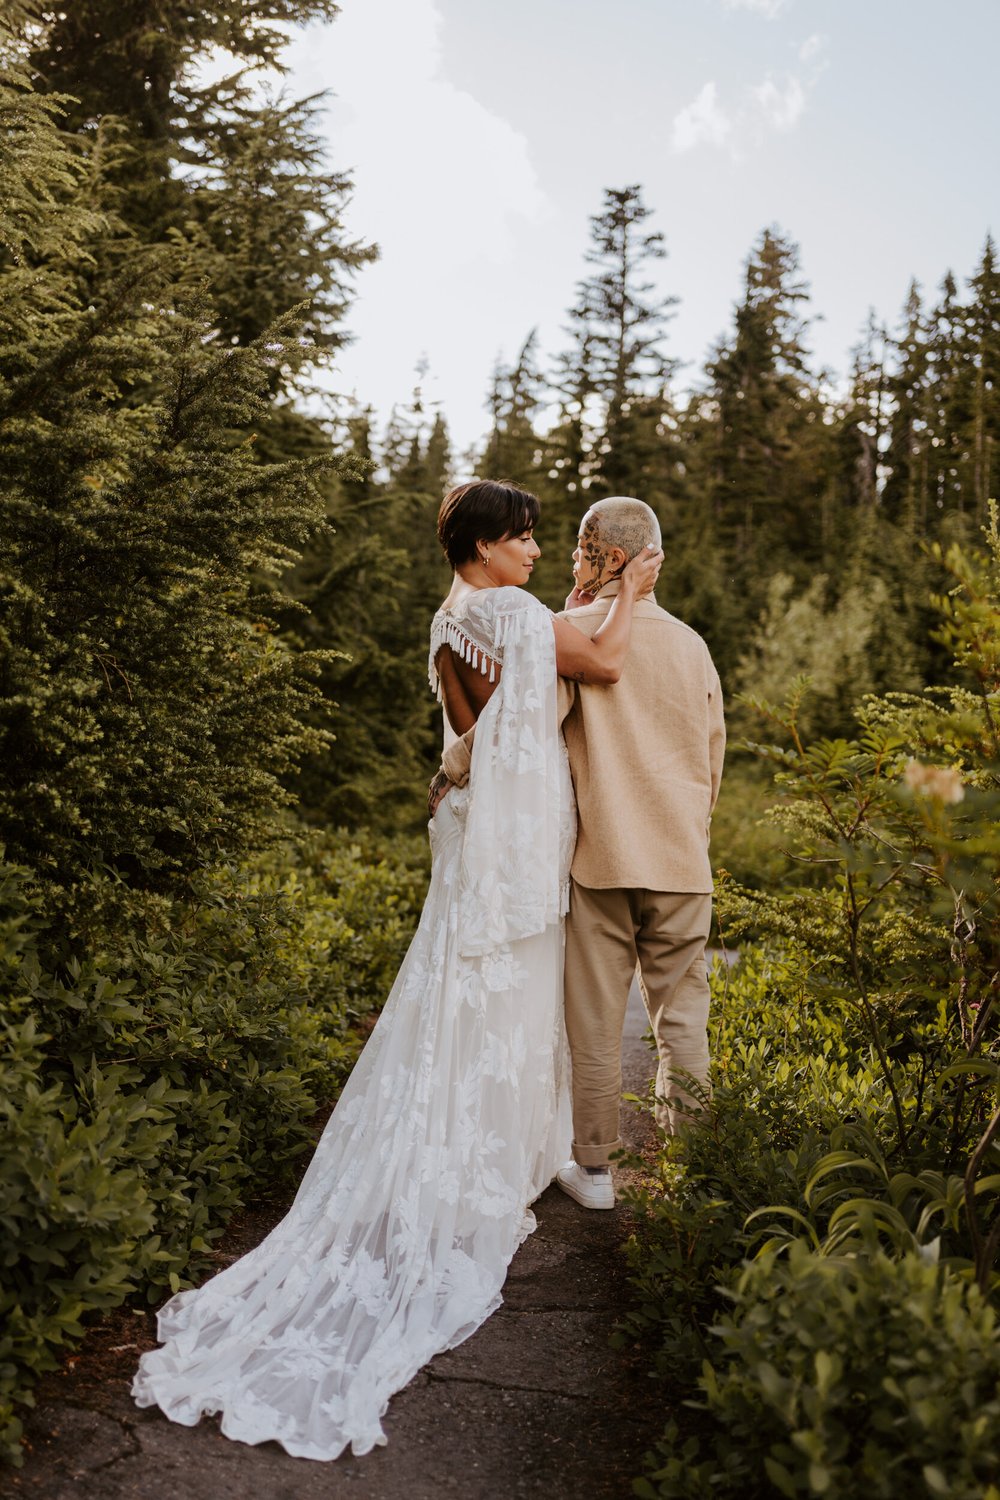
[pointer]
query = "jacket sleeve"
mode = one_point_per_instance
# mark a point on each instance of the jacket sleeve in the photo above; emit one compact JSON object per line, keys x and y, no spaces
{"x":457,"y":759}
{"x":716,"y":731}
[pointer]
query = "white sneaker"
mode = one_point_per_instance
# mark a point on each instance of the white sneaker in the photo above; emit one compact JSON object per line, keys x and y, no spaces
{"x":592,"y":1189}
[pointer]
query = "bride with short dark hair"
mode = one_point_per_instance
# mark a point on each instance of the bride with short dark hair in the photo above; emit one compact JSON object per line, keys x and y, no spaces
{"x":457,"y":1113}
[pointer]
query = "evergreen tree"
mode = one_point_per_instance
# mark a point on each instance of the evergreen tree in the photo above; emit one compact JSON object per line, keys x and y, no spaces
{"x":149,"y":713}
{"x":620,"y":321}
{"x":118,"y":59}
{"x":982,"y":341}
{"x":516,"y":395}
{"x":948,"y":394}
{"x":908,"y":454}
{"x":236,"y":185}
{"x":269,"y":210}
{"x":371,"y":586}
{"x":437,"y":457}
{"x":356,"y":484}
{"x":771,"y":451}
{"x":569,"y":444}
{"x":864,"y":422}
{"x":255,"y":205}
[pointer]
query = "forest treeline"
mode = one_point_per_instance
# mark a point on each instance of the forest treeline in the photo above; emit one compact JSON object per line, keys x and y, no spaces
{"x":215,"y":585}
{"x":784,"y":492}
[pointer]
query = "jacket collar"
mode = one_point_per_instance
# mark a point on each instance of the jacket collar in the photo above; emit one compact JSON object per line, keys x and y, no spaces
{"x":612,"y":588}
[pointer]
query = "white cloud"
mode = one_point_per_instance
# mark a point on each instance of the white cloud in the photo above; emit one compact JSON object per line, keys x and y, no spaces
{"x":767,"y":8}
{"x":444,"y":185}
{"x":434,"y":167}
{"x":780,"y":106}
{"x":761,"y":109}
{"x":812,"y":48}
{"x":703,"y":122}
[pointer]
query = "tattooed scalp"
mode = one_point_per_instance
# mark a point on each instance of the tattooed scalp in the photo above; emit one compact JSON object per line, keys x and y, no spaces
{"x":619,"y":521}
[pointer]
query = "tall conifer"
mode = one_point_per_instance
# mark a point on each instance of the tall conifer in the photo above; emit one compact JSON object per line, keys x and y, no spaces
{"x":769,"y":478}
{"x":621,"y":317}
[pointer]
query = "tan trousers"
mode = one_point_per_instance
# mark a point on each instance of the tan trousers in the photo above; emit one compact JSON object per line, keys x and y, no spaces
{"x":607,"y":931}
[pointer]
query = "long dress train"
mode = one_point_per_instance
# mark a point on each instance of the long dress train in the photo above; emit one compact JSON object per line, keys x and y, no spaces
{"x":455,"y":1117}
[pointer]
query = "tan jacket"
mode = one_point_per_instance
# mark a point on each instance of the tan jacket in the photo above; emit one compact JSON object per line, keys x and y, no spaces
{"x":646,"y":756}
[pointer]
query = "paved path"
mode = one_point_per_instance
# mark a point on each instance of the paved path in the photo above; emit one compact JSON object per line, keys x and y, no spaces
{"x":534,"y":1404}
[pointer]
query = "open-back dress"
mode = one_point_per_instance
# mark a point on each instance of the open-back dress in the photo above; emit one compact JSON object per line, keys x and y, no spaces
{"x":455,"y":1117}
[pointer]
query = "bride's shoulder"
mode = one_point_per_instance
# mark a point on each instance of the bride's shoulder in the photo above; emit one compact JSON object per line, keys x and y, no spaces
{"x":493,"y":605}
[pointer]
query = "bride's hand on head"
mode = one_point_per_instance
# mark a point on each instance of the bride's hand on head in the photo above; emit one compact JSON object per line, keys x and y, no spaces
{"x":641,"y":573}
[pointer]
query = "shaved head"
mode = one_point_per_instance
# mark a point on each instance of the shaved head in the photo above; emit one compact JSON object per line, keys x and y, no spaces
{"x":621,"y":521}
{"x":611,"y":533}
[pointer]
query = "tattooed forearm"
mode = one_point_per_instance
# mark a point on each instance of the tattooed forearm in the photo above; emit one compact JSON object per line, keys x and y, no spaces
{"x":439,"y":785}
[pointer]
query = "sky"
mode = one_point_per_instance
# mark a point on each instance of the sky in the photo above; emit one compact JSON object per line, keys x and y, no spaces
{"x":481,"y":138}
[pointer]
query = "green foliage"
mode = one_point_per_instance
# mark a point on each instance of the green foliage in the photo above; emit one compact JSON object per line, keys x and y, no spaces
{"x":386,"y":723}
{"x":186,"y":975}
{"x":146,"y":1085}
{"x":844,"y":647}
{"x":113,"y":62}
{"x":842,"y":1191}
{"x":747,"y":843}
{"x":847,"y":1376}
{"x":150,"y":713}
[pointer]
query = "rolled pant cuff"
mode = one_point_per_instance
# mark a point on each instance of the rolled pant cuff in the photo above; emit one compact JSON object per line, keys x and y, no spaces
{"x":595,"y":1156}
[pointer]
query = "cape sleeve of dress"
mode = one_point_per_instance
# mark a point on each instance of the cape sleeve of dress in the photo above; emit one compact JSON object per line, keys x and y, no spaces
{"x":513,"y":881}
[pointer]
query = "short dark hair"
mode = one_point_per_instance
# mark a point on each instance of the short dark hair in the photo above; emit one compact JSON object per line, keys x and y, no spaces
{"x":484,"y":510}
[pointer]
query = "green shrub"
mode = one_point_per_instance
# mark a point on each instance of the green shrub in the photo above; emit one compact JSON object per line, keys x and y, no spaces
{"x":147,"y":1083}
{"x":747,"y":842}
{"x":854,"y":1122}
{"x":786,"y":1072}
{"x":847,"y":1376}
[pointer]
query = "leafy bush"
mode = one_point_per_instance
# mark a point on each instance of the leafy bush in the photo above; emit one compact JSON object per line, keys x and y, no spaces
{"x":848,"y":1376}
{"x":786,"y":1074}
{"x":145,"y":1085}
{"x":747,"y":841}
{"x":854,"y":1127}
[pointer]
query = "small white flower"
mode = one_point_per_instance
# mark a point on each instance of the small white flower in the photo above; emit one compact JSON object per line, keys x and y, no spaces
{"x":943,"y":783}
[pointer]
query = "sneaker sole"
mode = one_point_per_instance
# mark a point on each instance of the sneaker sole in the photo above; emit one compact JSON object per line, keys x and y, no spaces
{"x":583,"y":1202}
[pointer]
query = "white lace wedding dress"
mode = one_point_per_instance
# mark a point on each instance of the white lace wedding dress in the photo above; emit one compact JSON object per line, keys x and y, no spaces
{"x":455,"y":1117}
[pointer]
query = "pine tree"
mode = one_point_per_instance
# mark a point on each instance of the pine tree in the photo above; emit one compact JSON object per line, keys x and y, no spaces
{"x":570,"y":443}
{"x":437,"y":457}
{"x":864,"y":423}
{"x":149,"y":713}
{"x":982,"y":340}
{"x":268,"y":210}
{"x":371,"y":586}
{"x":948,"y":401}
{"x":237,"y":186}
{"x":118,"y":59}
{"x":516,"y":395}
{"x":770,"y":455}
{"x":620,"y":323}
{"x":256,"y":204}
{"x":908,"y":453}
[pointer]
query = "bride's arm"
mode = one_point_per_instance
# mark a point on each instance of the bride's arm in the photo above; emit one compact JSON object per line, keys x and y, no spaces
{"x":601,"y":658}
{"x":597,"y":659}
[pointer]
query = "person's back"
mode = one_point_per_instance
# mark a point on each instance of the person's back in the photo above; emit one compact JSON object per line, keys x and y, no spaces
{"x":646,"y":755}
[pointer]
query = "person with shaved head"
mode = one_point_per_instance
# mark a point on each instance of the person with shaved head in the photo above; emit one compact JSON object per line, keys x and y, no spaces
{"x":646,"y":753}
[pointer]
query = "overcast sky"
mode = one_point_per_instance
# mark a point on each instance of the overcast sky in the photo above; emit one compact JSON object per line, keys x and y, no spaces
{"x":481,"y":136}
